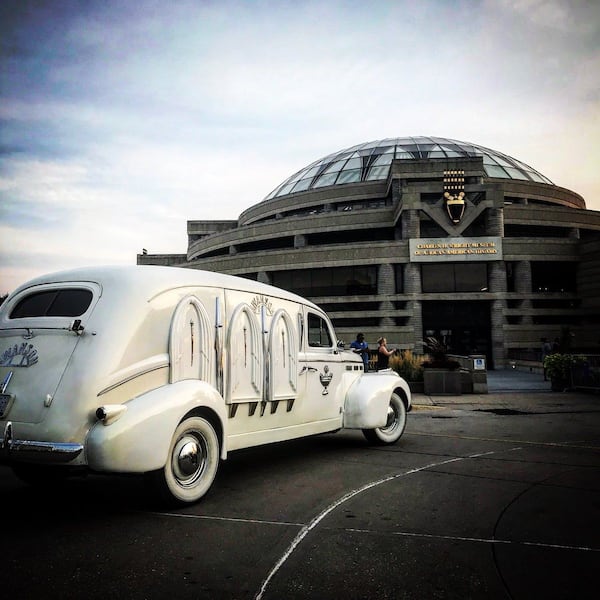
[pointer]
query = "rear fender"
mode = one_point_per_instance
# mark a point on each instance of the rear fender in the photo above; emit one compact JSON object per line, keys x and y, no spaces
{"x":139,"y":440}
{"x":367,"y":400}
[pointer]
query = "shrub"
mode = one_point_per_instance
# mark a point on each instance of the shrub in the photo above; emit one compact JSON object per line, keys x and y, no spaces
{"x":438,"y":358}
{"x":408,"y":365}
{"x":558,"y":366}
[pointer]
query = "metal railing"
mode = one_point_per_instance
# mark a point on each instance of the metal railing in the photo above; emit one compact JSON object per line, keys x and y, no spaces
{"x":585,"y":373}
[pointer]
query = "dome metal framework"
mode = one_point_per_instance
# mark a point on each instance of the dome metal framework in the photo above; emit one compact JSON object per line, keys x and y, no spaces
{"x":371,"y":161}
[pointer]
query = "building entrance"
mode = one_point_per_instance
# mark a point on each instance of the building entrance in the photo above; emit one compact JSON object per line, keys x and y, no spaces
{"x":464,"y":326}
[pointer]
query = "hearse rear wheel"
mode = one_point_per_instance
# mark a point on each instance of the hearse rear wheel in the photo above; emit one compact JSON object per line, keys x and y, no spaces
{"x":192,"y":463}
{"x":396,"y":422}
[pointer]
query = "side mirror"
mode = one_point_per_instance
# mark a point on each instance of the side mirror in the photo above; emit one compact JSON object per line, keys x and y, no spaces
{"x":341,"y":345}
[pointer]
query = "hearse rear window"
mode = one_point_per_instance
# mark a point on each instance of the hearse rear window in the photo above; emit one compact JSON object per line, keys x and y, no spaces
{"x":71,"y":302}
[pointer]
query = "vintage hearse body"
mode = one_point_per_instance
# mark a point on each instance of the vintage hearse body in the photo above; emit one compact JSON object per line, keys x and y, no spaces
{"x":164,"y":371}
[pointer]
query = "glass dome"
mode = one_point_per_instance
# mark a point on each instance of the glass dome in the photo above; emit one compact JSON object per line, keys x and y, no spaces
{"x":371,"y":161}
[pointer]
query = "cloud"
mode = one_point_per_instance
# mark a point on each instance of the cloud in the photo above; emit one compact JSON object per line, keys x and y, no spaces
{"x":121,"y":121}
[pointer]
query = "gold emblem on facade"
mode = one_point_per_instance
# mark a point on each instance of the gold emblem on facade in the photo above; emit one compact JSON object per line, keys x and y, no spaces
{"x":454,"y":193}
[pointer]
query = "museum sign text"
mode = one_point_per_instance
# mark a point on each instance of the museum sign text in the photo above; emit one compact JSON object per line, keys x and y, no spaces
{"x":455,"y":249}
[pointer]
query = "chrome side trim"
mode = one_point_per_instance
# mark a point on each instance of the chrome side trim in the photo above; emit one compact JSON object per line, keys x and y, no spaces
{"x":6,"y":439}
{"x":128,"y":379}
{"x":42,"y":451}
{"x":5,"y":382}
{"x":133,"y":376}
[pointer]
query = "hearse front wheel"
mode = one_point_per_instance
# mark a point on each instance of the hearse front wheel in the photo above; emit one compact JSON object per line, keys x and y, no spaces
{"x":396,"y":422}
{"x":192,"y":463}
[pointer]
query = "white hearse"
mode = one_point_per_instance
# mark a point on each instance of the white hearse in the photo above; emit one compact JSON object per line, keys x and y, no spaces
{"x":164,"y":371}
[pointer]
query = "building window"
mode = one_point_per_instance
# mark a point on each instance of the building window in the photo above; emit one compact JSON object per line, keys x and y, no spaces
{"x":454,"y":277}
{"x":399,"y":276}
{"x":510,"y":276}
{"x":251,"y":276}
{"x":318,"y":332}
{"x":353,"y":236}
{"x":553,"y":276}
{"x":535,"y":231}
{"x":347,"y":281}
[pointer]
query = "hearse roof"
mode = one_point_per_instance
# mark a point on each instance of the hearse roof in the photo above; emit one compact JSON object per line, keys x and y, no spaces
{"x":151,"y":280}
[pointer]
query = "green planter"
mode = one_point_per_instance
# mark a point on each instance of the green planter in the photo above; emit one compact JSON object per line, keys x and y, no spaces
{"x":559,"y":384}
{"x":416,"y":387}
{"x":442,"y":382}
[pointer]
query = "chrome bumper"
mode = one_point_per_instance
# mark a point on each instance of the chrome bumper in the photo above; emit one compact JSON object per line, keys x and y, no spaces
{"x":44,"y":452}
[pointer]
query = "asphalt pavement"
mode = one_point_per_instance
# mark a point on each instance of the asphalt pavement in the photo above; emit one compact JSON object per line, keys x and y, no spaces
{"x":491,"y":496}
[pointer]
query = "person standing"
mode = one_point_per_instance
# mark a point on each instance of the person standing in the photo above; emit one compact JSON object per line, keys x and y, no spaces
{"x":383,"y":354}
{"x":546,"y":350}
{"x":359,"y":346}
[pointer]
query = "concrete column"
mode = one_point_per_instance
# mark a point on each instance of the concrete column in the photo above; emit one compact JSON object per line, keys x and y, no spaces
{"x":412,"y":288}
{"x":412,"y":278}
{"x":497,"y":283}
{"x":497,"y":323}
{"x":494,"y":221}
{"x":522,"y":277}
{"x":410,"y":224}
{"x":263,"y":277}
{"x":497,"y":277}
{"x":386,"y":286}
{"x":300,"y":241}
{"x":416,"y":322}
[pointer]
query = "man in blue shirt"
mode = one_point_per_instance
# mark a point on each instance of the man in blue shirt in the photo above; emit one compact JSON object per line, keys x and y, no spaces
{"x":359,"y":346}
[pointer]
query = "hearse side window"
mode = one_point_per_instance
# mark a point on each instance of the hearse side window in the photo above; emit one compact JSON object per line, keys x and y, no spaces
{"x":71,"y":302}
{"x":318,"y":332}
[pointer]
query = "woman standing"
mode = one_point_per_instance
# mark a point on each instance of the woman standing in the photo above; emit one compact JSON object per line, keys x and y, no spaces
{"x":383,"y":354}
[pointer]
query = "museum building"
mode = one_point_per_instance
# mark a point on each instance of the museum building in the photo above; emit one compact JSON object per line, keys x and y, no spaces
{"x":421,"y":236}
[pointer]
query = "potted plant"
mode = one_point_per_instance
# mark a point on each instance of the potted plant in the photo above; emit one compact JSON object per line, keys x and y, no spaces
{"x":441,"y":374}
{"x":410,"y":367}
{"x":558,"y":369}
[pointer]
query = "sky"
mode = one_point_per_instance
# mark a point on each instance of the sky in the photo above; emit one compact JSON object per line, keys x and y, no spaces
{"x":122,"y":120}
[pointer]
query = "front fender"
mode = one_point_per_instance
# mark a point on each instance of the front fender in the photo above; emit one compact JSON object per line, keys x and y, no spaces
{"x":139,"y":440}
{"x":367,"y":400}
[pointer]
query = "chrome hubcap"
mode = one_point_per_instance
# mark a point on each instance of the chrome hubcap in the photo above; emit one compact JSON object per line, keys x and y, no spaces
{"x":392,"y":417}
{"x":189,"y":458}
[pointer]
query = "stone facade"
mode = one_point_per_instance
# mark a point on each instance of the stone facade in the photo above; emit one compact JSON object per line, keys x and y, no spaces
{"x":542,"y":279}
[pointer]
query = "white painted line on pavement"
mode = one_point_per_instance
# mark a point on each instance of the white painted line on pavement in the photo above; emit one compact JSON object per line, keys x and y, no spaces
{"x":308,"y":528}
{"x":229,"y":519}
{"x":458,"y":538}
{"x":487,"y":439}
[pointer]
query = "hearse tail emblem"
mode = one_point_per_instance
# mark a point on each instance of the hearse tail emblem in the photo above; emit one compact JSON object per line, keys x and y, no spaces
{"x":262,"y":301}
{"x":24,"y":355}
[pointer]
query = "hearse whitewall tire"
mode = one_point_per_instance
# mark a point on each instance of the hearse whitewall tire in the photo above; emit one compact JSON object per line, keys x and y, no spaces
{"x":192,"y":462}
{"x":391,"y":432}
